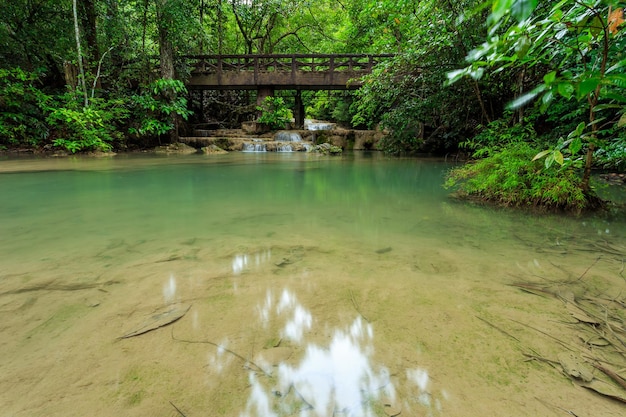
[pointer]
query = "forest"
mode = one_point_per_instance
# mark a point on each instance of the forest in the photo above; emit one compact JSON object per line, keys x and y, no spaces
{"x":534,"y":93}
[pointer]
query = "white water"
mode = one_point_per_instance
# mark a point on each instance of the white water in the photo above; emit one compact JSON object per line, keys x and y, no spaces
{"x":285,"y":136}
{"x":256,"y":145}
{"x":310,"y":124}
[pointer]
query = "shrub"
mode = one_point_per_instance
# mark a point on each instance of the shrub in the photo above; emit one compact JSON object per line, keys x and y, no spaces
{"x":274,"y":113}
{"x":510,"y":177}
{"x":92,"y":128}
{"x":21,"y":108}
{"x":158,"y":105}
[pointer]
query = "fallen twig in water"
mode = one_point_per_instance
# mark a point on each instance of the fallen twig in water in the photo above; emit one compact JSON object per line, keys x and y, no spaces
{"x":356,"y":307}
{"x":559,"y":341}
{"x":604,"y":394}
{"x":178,"y":409}
{"x":590,"y":266}
{"x":617,"y":378}
{"x":498,"y":329}
{"x":225,"y":349}
{"x":570,"y":412}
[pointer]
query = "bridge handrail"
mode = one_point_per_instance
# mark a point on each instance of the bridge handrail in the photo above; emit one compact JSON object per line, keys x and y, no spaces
{"x":284,"y":62}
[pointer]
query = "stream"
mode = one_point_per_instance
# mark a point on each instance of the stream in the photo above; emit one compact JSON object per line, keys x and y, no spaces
{"x":292,"y":284}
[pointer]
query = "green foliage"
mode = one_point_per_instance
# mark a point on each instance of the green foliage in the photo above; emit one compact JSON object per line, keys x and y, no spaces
{"x":92,"y":128}
{"x":274,"y":112}
{"x":510,"y":177}
{"x":498,"y":135}
{"x":405,"y":95}
{"x":612,"y":155}
{"x":331,"y":105}
{"x":578,"y":44}
{"x":158,"y":105}
{"x":21,"y":114}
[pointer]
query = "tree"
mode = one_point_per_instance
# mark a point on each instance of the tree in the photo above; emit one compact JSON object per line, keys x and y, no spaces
{"x":406,"y":94}
{"x":578,"y":45}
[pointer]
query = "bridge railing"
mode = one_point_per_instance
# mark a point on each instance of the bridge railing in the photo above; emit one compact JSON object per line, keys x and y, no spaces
{"x":217,"y":64}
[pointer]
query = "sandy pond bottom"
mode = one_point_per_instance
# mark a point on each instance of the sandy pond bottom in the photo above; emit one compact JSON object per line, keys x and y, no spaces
{"x":310,"y":288}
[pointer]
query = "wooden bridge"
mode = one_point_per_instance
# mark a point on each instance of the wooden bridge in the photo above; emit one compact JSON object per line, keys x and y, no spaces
{"x":267,"y":73}
{"x":280,"y":72}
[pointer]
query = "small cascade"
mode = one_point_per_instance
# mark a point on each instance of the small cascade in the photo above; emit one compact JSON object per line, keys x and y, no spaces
{"x":316,"y":125}
{"x":257,"y":145}
{"x":285,"y":136}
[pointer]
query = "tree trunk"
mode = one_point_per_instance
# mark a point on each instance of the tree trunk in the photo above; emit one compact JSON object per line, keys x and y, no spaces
{"x":79,"y":54}
{"x":166,"y":57}
{"x":71,"y":75}
{"x":89,"y":27}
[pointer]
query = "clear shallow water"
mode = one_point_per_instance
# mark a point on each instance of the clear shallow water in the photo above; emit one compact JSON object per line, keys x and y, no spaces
{"x":317,"y":286}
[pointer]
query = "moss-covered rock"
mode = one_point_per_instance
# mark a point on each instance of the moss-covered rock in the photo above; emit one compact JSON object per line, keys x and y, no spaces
{"x":327,"y":149}
{"x":213,"y":150}
{"x":175,"y":148}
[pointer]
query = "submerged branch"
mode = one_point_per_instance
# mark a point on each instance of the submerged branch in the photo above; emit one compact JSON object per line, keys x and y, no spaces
{"x":225,"y":349}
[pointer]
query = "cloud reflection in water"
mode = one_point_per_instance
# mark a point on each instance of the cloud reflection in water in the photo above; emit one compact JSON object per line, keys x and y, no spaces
{"x":335,"y":380}
{"x":241,"y":262}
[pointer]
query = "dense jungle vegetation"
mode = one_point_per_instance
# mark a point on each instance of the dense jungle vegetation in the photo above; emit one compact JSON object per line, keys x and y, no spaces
{"x":534,"y":91}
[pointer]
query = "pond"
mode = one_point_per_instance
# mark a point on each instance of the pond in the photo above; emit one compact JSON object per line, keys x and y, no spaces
{"x":258,"y":285}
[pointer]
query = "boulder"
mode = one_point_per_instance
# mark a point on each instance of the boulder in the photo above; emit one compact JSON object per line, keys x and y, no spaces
{"x":175,"y":148}
{"x":213,"y":150}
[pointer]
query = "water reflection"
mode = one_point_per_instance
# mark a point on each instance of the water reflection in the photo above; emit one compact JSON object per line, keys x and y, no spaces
{"x":241,"y":262}
{"x":169,"y":289}
{"x":338,"y":378}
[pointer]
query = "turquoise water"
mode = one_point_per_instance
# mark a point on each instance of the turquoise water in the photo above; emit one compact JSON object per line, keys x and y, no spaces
{"x":311,"y":286}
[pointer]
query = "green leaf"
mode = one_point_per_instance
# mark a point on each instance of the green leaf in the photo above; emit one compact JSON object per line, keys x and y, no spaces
{"x":526,"y":98}
{"x":558,"y":157}
{"x":575,"y":145}
{"x":614,"y":96}
{"x":579,"y":130}
{"x":600,"y":107}
{"x":549,"y":77}
{"x":498,"y":9}
{"x":522,"y":9}
{"x":565,"y":89}
{"x":542,"y":154}
{"x":522,"y":46}
{"x":596,"y":26}
{"x":456,"y":75}
{"x":587,"y":86}
{"x":622,"y":121}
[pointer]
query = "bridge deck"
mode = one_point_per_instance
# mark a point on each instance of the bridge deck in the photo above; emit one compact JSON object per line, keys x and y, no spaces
{"x":287,"y":72}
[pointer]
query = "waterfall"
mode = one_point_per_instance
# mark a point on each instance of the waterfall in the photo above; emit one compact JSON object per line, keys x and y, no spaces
{"x":285,"y":136}
{"x":317,"y":125}
{"x":256,"y":145}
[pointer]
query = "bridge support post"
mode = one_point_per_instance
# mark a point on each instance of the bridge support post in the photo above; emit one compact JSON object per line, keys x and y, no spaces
{"x":298,"y":111}
{"x":262,"y":92}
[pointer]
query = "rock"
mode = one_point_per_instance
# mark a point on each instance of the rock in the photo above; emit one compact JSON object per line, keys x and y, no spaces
{"x":327,"y":149}
{"x":213,"y":150}
{"x":175,"y":148}
{"x":614,"y":178}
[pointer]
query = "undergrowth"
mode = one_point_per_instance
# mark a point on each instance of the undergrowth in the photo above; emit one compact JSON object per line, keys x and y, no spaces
{"x":510,"y":177}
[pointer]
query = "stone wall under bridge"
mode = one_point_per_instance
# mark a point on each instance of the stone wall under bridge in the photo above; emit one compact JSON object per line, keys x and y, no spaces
{"x":236,"y":140}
